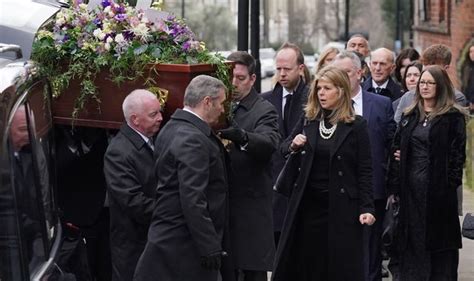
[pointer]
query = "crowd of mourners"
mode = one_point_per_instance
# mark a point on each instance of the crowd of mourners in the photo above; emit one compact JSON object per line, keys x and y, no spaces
{"x":321,"y":178}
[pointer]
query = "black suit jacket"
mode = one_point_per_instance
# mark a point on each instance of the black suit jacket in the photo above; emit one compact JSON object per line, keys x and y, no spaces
{"x":190,"y":212}
{"x":350,"y":194}
{"x":131,"y":184}
{"x":298,"y":101}
{"x":392,"y":91}
{"x":251,"y":186}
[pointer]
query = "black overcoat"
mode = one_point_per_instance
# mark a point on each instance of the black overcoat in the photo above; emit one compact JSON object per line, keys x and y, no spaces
{"x":447,"y":153}
{"x":131,"y":184}
{"x":189,"y":217}
{"x":251,"y":228}
{"x":350,"y":194}
{"x":275,"y":97}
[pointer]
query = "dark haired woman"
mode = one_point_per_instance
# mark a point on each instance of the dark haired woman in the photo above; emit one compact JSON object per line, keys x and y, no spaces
{"x":431,"y":141}
{"x":332,"y":196}
{"x":468,"y":76}
{"x":411,"y":76}
{"x":405,"y":57}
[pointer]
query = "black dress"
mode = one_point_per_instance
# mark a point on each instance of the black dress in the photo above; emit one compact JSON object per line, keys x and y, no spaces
{"x":311,"y":249}
{"x":418,"y":264}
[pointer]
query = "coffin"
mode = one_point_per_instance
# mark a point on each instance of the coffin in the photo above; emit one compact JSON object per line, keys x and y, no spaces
{"x":108,"y":113}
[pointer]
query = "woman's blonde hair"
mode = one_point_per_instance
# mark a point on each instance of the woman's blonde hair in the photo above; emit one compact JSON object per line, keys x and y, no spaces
{"x":323,"y":57}
{"x":343,"y":110}
{"x":445,"y":99}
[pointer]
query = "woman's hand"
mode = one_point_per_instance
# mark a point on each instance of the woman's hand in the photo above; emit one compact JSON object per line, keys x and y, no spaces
{"x":298,"y":142}
{"x":367,"y":219}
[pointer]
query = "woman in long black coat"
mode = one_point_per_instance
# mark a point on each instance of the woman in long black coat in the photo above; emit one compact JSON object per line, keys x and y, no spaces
{"x":332,"y":196}
{"x":431,"y":141}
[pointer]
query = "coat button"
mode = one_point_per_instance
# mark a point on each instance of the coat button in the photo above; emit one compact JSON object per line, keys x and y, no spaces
{"x":303,"y":152}
{"x":342,"y":190}
{"x":299,"y":169}
{"x":295,"y":185}
{"x":339,"y":157}
{"x":340,"y":173}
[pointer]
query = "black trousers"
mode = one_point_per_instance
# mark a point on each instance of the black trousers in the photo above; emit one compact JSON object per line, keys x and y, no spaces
{"x":251,"y":275}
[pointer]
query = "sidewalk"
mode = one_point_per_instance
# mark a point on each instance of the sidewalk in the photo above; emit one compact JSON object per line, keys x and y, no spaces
{"x":466,"y":254}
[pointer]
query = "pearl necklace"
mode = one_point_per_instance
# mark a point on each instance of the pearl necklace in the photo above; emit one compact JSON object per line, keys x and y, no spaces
{"x":324,"y":132}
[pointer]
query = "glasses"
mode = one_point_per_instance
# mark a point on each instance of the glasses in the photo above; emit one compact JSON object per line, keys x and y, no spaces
{"x":427,"y":83}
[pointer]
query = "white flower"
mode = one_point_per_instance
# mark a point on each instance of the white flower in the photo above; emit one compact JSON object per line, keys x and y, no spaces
{"x":109,"y":40}
{"x":107,"y":45}
{"x":107,"y":10}
{"x":60,"y":21}
{"x":141,"y":30}
{"x":99,"y":34}
{"x":119,"y":38}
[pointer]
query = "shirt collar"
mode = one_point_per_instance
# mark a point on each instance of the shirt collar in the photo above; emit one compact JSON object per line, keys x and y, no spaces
{"x":145,"y":138}
{"x":383,"y":86}
{"x":192,"y":112}
{"x":358,"y":98}
{"x":286,"y":93}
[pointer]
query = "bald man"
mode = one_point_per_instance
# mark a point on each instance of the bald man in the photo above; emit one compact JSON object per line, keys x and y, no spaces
{"x":382,"y":64}
{"x":131,"y":181}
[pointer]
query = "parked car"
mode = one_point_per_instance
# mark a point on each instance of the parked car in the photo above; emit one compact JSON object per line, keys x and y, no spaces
{"x":34,"y":243}
{"x":267,"y":62}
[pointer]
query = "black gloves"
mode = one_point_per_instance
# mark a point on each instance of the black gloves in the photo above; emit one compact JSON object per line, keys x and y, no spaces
{"x":213,"y":261}
{"x":235,"y":134}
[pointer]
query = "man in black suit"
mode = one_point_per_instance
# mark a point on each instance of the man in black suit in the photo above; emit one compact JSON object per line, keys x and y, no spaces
{"x":378,"y":112}
{"x":131,"y":182}
{"x":382,"y":63}
{"x":254,"y":135}
{"x":288,"y":96}
{"x":189,"y":217}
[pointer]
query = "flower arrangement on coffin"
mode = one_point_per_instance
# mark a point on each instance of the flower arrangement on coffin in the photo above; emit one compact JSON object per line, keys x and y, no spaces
{"x":79,"y":43}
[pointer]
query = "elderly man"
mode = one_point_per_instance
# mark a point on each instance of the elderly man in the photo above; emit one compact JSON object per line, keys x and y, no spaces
{"x":187,"y":227}
{"x":288,"y":97}
{"x":131,"y":182}
{"x":382,"y":63}
{"x":254,"y":135}
{"x":378,"y":112}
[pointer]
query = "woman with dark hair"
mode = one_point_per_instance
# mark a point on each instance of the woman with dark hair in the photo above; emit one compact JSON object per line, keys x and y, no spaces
{"x":430,"y":141}
{"x":331,"y":197}
{"x":411,"y":76}
{"x":405,"y":57}
{"x":467,"y":78}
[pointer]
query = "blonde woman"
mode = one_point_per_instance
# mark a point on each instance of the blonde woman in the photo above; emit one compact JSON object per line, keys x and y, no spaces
{"x":331,"y":197}
{"x":326,"y":57}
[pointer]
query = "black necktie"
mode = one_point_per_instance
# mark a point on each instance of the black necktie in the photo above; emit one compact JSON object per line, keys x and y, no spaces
{"x":353,"y":102}
{"x":378,"y":90}
{"x":150,"y":144}
{"x":286,"y":112}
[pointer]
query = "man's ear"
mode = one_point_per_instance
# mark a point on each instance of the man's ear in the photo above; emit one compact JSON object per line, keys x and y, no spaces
{"x":253,"y":77}
{"x":134,"y":119}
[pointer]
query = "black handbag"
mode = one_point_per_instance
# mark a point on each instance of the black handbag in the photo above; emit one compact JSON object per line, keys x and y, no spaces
{"x":287,"y":176}
{"x":390,"y":226}
{"x":468,"y":226}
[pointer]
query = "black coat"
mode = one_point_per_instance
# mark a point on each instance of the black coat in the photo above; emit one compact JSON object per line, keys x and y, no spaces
{"x":131,"y":184}
{"x":251,"y":186}
{"x":447,"y":153}
{"x":392,"y":91}
{"x":275,"y":97}
{"x":350,"y":194}
{"x":190,"y":212}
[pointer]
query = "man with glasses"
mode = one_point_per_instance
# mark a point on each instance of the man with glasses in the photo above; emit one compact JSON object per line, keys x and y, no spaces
{"x":288,"y":96}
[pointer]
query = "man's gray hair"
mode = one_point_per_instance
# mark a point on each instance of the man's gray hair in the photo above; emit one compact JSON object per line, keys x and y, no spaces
{"x":200,"y":87}
{"x":133,"y":103}
{"x":351,"y":55}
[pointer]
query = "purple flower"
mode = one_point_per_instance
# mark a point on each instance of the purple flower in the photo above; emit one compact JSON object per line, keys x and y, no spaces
{"x":120,"y":9}
{"x":97,"y":22}
{"x":186,"y":46}
{"x":128,"y":35}
{"x":120,"y":17}
{"x":105,"y":3}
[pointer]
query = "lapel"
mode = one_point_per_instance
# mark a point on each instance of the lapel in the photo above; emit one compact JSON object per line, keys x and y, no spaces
{"x":134,"y":137}
{"x":311,"y":131}
{"x":343,"y":129}
{"x":367,"y":106}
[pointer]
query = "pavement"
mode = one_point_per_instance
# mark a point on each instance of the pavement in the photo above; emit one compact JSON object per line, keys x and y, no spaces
{"x":466,"y":254}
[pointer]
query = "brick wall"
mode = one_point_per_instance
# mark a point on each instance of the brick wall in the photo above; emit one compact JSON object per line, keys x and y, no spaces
{"x":455,"y":31}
